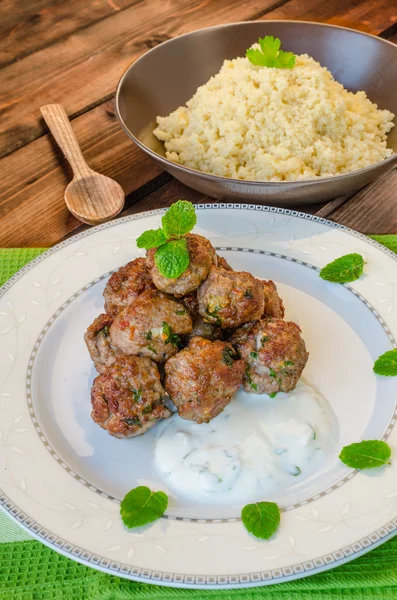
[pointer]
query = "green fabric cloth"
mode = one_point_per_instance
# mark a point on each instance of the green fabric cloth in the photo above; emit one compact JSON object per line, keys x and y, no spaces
{"x":31,"y":571}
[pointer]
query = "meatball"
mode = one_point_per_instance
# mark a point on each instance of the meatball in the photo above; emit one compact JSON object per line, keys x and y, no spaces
{"x":206,"y":330}
{"x":274,"y":306}
{"x":202,"y":378}
{"x":201,"y":254}
{"x":191,"y":304}
{"x":128,"y":399}
{"x":125,"y":285}
{"x":97,"y":338}
{"x":230,"y":298}
{"x":275,"y":353}
{"x":151,"y":326}
{"x":222,"y":263}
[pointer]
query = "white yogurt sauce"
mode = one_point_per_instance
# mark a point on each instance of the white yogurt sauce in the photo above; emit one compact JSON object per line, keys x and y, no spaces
{"x":255,"y":448}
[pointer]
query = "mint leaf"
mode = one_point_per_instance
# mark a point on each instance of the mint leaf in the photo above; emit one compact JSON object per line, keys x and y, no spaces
{"x":141,"y":506}
{"x":172,"y":258}
{"x":386,"y":364}
{"x":152,"y":238}
{"x":270,"y":54}
{"x":261,"y":519}
{"x":344,"y":269}
{"x":179,"y":219}
{"x":366,"y":455}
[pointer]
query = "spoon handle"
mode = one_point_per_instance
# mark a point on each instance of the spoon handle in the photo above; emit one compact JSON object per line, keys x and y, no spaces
{"x":60,"y":127}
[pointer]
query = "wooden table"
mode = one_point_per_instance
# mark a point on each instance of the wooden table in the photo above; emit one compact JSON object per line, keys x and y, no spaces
{"x":74,"y":52}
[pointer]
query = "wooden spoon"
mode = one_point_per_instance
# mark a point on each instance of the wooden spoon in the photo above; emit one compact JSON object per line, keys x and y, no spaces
{"x":90,"y":196}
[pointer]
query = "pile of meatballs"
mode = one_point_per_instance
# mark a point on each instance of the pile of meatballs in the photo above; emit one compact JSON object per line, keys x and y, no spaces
{"x":196,"y":338}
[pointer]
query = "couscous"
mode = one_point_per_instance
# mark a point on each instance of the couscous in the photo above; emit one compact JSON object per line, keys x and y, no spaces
{"x":270,"y":124}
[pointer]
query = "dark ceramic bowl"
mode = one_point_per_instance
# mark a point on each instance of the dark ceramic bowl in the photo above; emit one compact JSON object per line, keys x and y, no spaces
{"x":168,"y":75}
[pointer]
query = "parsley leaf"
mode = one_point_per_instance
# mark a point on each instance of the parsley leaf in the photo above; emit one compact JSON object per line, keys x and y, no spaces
{"x":270,"y":55}
{"x":386,"y":364}
{"x":172,"y":259}
{"x":366,"y":454}
{"x":141,"y":506}
{"x":228,"y":356}
{"x":172,"y":338}
{"x":261,"y":519}
{"x":152,"y":238}
{"x":249,"y":378}
{"x":179,"y":219}
{"x":344,"y":269}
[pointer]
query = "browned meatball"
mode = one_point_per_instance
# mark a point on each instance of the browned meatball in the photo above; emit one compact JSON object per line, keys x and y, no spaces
{"x":274,"y":306}
{"x":202,"y":378}
{"x":275,"y":353}
{"x":151,"y":326}
{"x":202,"y":328}
{"x":191,"y":304}
{"x":128,"y":399}
{"x":125,"y":285}
{"x":201,"y":254}
{"x":230,"y":298}
{"x":222,"y":263}
{"x":97,"y":338}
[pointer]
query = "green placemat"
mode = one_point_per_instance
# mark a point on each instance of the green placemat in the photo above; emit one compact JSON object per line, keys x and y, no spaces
{"x":31,"y":571}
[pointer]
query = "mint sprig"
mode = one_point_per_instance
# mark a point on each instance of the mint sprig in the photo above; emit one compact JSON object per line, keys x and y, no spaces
{"x":367,"y":454}
{"x":261,"y":519}
{"x":386,"y":364}
{"x":344,"y":269}
{"x":172,"y":256}
{"x":141,"y":506}
{"x":270,"y":55}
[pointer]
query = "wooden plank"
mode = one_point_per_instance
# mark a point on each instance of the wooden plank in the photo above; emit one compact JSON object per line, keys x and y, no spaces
{"x":26,"y":27}
{"x":374,"y":209}
{"x":32,"y":209}
{"x":83,"y":70}
{"x":370,"y":16}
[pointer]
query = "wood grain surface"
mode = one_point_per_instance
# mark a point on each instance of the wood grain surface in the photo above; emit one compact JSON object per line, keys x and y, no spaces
{"x":74,"y":52}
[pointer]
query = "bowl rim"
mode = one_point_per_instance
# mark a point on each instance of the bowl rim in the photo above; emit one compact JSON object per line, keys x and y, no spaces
{"x":239,"y":182}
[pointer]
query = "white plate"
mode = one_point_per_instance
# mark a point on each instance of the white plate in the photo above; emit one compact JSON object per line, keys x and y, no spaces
{"x":62,"y":476}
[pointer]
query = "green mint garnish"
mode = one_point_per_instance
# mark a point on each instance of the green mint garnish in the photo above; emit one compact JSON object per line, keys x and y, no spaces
{"x":172,"y":338}
{"x":152,"y":238}
{"x":261,"y":519}
{"x":148,"y":335}
{"x":288,"y":363}
{"x":180,"y":312}
{"x":141,"y":506}
{"x":297,"y":471}
{"x":151,"y":349}
{"x":172,"y":259}
{"x":344,"y":269}
{"x":248,"y":294}
{"x":386,"y":364}
{"x":172,"y":256}
{"x":366,"y":454}
{"x":254,"y":354}
{"x":272,"y":373}
{"x":270,"y":55}
{"x":228,"y":356}
{"x":179,"y":219}
{"x":273,"y":395}
{"x":264,"y":339}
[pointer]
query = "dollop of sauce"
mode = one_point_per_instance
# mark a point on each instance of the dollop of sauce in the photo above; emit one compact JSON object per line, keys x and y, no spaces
{"x":255,"y":448}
